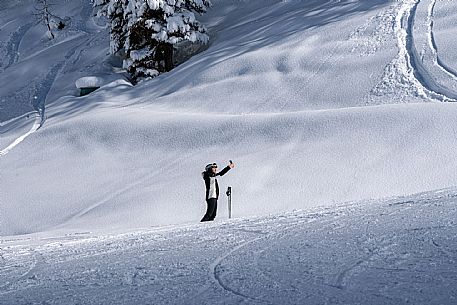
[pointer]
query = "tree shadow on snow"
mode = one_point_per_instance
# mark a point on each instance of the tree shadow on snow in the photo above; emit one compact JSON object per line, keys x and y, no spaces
{"x":237,"y":28}
{"x":253,"y":28}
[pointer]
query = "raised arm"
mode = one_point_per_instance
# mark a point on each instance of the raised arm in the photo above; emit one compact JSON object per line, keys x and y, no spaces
{"x":226,"y":169}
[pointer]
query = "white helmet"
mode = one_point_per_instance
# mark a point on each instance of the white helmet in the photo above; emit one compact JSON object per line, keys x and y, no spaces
{"x":210,"y":166}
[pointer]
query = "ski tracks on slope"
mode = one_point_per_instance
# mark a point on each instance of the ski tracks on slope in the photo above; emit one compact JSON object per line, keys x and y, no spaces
{"x":252,"y":249}
{"x":417,"y":69}
{"x":425,"y":74}
{"x":36,"y":125}
{"x":11,"y":47}
{"x":327,"y":267}
{"x":42,"y":87}
{"x":41,"y":90}
{"x":217,"y":270}
{"x":433,"y":46}
{"x":378,"y":252}
{"x":249,"y":250}
{"x":27,"y":260}
{"x":217,"y":267}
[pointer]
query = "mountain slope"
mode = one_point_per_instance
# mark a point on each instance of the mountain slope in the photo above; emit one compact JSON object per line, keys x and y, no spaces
{"x":282,"y":90}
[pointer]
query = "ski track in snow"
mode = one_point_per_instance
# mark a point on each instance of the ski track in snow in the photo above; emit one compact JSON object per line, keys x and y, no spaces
{"x":323,"y":220}
{"x":404,"y":25}
{"x":415,"y":69}
{"x":217,"y":267}
{"x":24,"y":280}
{"x":411,"y":73}
{"x":217,"y":270}
{"x":12,"y":47}
{"x":44,"y":86}
{"x":364,"y":253}
{"x":42,"y":89}
{"x":36,"y":125}
{"x":433,"y":46}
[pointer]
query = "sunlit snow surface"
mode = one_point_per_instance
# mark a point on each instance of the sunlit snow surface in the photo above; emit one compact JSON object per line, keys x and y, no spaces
{"x":317,"y":102}
{"x":396,"y":251}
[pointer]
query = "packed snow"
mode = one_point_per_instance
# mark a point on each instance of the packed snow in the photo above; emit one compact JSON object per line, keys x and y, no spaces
{"x":395,"y":251}
{"x":317,"y":102}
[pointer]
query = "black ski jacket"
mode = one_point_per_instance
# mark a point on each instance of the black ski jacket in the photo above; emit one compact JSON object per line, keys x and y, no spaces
{"x":208,"y":175}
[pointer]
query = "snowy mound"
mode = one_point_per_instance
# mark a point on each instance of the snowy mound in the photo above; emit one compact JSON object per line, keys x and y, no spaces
{"x":89,"y":82}
{"x":282,"y":89}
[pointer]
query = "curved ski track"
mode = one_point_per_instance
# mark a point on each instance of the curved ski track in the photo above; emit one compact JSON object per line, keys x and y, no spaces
{"x":374,"y":249}
{"x":248,"y":249}
{"x":12,"y":46}
{"x":433,"y":46}
{"x":416,"y":72}
{"x":42,"y":89}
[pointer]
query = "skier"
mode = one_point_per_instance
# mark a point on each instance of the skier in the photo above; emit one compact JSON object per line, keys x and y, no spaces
{"x":212,"y":188}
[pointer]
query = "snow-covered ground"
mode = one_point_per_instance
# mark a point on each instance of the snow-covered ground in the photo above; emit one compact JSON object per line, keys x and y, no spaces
{"x":282,"y":90}
{"x":317,"y":102}
{"x":395,"y":251}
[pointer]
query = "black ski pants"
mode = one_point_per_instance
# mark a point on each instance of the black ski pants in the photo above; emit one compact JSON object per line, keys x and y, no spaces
{"x":210,"y":210}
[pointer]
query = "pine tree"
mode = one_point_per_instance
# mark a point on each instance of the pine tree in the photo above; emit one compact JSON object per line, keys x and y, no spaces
{"x":147,"y":30}
{"x":114,"y":10}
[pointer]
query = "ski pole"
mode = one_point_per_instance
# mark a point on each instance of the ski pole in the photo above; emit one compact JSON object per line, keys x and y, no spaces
{"x":229,"y":195}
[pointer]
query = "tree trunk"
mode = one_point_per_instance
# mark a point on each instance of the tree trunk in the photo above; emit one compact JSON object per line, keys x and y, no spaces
{"x":49,"y":28}
{"x":164,"y":57}
{"x":168,"y":47}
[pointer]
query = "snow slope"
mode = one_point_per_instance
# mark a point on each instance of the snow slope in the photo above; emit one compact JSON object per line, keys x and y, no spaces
{"x":394,"y":251}
{"x":35,"y":69}
{"x":282,"y":90}
{"x":317,"y":102}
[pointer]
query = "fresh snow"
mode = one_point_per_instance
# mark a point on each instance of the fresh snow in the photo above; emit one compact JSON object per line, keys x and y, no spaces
{"x":316,"y":102}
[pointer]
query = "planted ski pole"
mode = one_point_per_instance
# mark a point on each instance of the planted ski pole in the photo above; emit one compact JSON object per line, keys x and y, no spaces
{"x":229,"y":196}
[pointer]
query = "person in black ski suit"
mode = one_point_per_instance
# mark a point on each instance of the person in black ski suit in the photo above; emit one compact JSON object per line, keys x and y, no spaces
{"x":212,"y":188}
